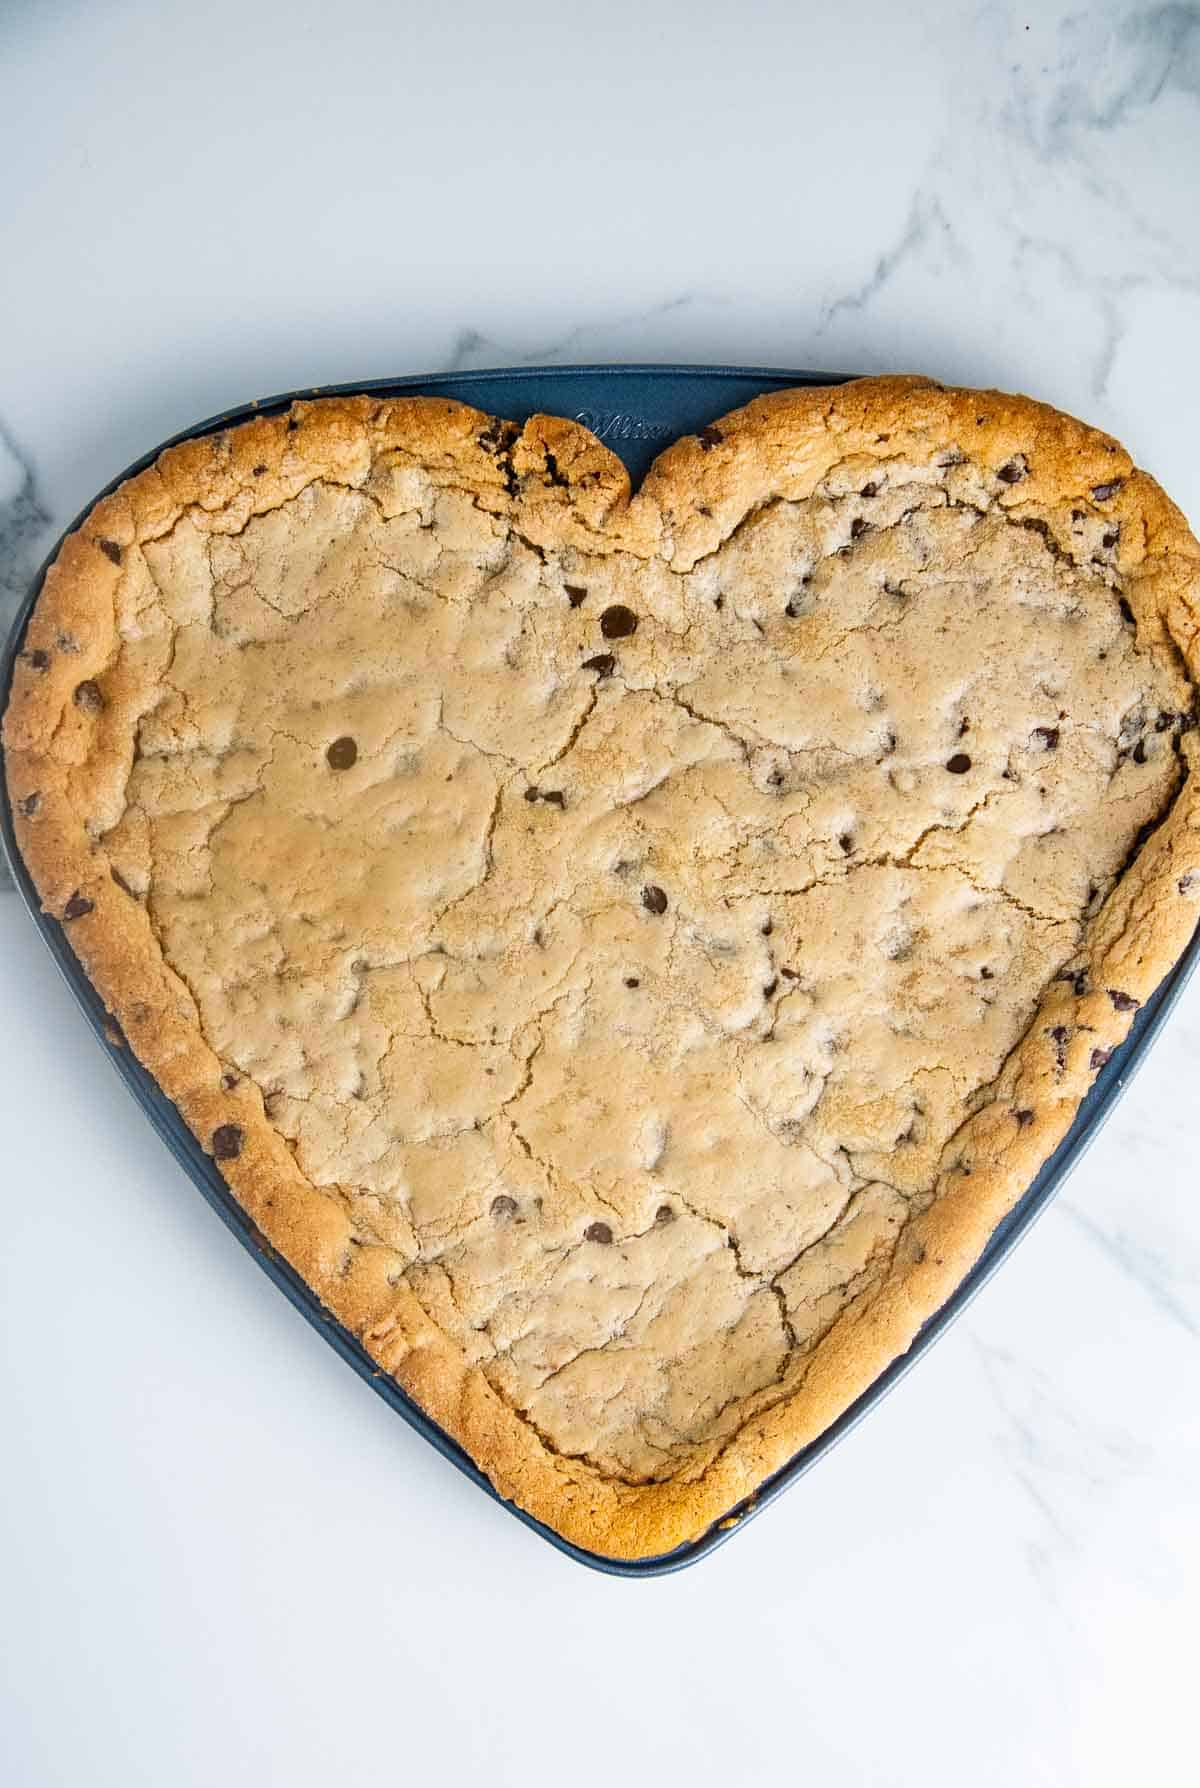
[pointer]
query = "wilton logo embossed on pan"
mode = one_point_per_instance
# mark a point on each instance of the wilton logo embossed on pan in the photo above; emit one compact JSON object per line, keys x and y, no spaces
{"x":618,"y":425}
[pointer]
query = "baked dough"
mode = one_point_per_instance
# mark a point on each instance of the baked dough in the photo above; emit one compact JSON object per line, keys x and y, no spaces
{"x":626,"y":954}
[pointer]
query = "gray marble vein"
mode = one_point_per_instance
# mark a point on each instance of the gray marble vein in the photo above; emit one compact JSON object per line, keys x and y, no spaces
{"x":472,"y":348}
{"x":24,"y":526}
{"x":24,"y":534}
{"x":1154,"y":51}
{"x":1060,"y":1458}
{"x":927,"y":230}
{"x":1144,"y":1266}
{"x":1041,"y":215}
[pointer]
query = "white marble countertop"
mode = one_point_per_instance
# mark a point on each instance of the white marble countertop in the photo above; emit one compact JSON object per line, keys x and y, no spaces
{"x":223,"y":1560}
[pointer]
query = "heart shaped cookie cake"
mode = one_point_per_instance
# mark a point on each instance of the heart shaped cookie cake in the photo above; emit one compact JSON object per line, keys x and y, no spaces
{"x":626,"y":953}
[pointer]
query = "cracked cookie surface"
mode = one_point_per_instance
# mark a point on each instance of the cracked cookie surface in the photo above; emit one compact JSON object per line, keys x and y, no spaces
{"x":627,"y":954}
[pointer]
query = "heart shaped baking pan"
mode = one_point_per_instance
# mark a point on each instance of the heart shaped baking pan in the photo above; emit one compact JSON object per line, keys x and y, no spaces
{"x":629,"y":910}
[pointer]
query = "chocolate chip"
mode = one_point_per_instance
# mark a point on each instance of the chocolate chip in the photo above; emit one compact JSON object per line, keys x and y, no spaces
{"x":555,"y":797}
{"x":1138,"y":754}
{"x":597,"y":1232}
{"x":1099,"y":1057}
{"x":1123,"y":1002}
{"x":39,"y":660}
{"x":341,"y":754}
{"x":766,"y":928}
{"x":111,"y":550}
{"x":1023,"y":1117}
{"x":229,"y":1080}
{"x":718,"y":601}
{"x":1036,"y":525}
{"x":603,"y":664}
{"x":869,"y":489}
{"x":790,"y":974}
{"x":504,"y":1206}
{"x":959,"y":764}
{"x":1102,"y":492}
{"x":1164,"y":723}
{"x":618,"y":622}
{"x":575,"y":594}
{"x":258,"y":471}
{"x":632,"y":981}
{"x":30,"y":804}
{"x":292,"y":425}
{"x":1048,"y":735}
{"x":858,"y":527}
{"x":227,"y":1142}
{"x":88,"y":697}
{"x":1126,"y":612}
{"x":846,"y":842}
{"x":533,"y":794}
{"x":654,"y":899}
{"x":664,"y":1214}
{"x":769,"y":989}
{"x":964,"y":726}
{"x":77,"y":906}
{"x":1059,"y":1034}
{"x":1109,"y":540}
{"x":985,"y":973}
{"x":1012,"y":472}
{"x":709,"y":438}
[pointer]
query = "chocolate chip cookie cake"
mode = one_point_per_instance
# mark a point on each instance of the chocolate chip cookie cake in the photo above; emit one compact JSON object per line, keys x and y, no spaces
{"x":626,"y":952}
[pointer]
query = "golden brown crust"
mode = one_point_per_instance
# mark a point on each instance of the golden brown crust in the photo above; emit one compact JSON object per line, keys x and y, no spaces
{"x":565,"y":490}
